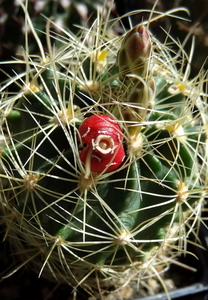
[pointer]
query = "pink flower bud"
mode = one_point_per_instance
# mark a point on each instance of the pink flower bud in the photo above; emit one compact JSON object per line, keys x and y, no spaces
{"x":135,"y":50}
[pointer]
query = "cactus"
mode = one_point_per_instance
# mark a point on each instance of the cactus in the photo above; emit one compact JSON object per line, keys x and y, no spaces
{"x":104,"y":158}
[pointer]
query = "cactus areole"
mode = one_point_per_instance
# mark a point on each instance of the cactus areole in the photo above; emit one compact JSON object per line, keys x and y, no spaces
{"x":104,"y":151}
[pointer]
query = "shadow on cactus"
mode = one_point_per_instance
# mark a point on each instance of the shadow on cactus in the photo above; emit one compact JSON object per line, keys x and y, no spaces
{"x":104,"y":157}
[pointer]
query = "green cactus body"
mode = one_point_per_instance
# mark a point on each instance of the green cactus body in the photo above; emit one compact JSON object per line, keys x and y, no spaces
{"x":73,"y":222}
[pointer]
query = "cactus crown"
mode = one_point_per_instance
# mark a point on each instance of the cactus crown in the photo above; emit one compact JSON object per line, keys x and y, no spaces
{"x":104,"y":155}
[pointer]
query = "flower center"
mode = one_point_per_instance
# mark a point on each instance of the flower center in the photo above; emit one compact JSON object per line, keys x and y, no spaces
{"x":104,"y":144}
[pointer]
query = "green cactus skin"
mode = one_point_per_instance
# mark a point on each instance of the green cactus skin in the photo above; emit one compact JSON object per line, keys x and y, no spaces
{"x":72,"y":224}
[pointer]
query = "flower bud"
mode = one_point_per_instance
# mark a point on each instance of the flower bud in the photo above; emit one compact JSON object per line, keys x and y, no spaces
{"x":136,"y":48}
{"x":141,"y":96}
{"x":103,"y":137}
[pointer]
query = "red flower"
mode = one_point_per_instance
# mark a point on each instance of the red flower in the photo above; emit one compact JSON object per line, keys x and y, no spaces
{"x":103,"y":137}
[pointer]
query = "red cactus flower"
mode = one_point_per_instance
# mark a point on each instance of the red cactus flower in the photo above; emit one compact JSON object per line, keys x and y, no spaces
{"x":103,"y":137}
